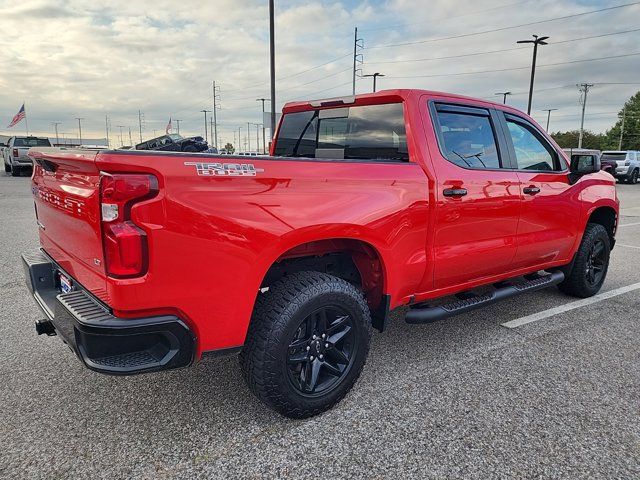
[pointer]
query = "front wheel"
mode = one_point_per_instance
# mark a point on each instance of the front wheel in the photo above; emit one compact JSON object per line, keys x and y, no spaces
{"x":307,"y":343}
{"x":634,"y":177}
{"x":591,"y":263}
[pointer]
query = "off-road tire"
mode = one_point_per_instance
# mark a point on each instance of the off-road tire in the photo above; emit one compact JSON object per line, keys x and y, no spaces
{"x":576,"y":282}
{"x":7,"y":168}
{"x":277,"y":315}
{"x":15,"y":171}
{"x":633,"y":179}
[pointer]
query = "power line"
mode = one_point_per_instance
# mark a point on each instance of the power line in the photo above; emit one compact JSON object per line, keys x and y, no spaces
{"x":487,"y":52}
{"x":501,"y":29}
{"x":452,"y":74}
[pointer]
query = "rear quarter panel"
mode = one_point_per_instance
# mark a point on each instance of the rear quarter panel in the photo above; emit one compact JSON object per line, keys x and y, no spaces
{"x":213,"y":238}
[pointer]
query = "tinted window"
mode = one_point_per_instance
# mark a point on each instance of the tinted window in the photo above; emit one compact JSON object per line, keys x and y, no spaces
{"x":614,"y":156}
{"x":31,"y":142}
{"x":531,"y":152}
{"x":468,"y":140}
{"x":372,"y":132}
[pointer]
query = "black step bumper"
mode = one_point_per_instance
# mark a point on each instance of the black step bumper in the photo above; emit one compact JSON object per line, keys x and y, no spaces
{"x":103,"y":342}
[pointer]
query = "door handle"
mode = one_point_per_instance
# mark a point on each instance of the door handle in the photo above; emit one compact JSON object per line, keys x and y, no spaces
{"x":531,"y":190}
{"x":454,"y":192}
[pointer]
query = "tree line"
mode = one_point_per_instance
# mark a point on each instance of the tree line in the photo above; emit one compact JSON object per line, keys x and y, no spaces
{"x":610,"y":140}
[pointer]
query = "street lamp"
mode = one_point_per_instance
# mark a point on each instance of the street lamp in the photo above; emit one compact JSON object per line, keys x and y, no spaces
{"x":374,"y":75}
{"x":536,"y":41}
{"x":549,"y":110}
{"x":206,"y":137}
{"x":264,"y":143}
{"x":504,"y":96}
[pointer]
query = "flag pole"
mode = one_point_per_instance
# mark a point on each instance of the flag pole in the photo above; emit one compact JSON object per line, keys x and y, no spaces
{"x":26,"y":122}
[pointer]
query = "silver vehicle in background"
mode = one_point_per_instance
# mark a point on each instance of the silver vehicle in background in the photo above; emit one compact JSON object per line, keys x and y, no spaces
{"x":15,"y":153}
{"x":622,"y":164}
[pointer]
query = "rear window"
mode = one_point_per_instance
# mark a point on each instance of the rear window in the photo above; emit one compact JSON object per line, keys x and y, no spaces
{"x":613,"y":156}
{"x":31,"y":142}
{"x":369,"y":132}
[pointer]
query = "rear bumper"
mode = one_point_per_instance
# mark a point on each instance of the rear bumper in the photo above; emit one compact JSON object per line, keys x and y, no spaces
{"x":103,"y":342}
{"x":22,"y":161}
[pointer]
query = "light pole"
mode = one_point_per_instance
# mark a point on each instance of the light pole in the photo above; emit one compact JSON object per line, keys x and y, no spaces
{"x":258,"y":125}
{"x":536,"y":41}
{"x":178,"y":125}
{"x":504,"y":96}
{"x":121,"y":127}
{"x":272,"y":64}
{"x":248,"y":137}
{"x":264,"y":137}
{"x":55,"y":125}
{"x":80,"y":128}
{"x":549,"y":110}
{"x":206,"y":137}
{"x":374,"y":75}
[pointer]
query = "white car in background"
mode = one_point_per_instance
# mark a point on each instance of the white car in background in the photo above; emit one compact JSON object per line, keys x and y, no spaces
{"x":15,"y":153}
{"x":625,"y":164}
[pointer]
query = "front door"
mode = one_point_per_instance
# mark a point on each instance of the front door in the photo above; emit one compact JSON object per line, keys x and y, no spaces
{"x":548,"y":222}
{"x":478,"y":199}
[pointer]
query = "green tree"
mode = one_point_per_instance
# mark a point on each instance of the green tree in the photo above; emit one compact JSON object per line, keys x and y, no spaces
{"x":631,"y":132}
{"x":229,"y":148}
{"x":592,"y":140}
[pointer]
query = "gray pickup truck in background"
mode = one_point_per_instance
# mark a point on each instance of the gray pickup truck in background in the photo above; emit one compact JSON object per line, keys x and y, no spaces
{"x":15,"y":153}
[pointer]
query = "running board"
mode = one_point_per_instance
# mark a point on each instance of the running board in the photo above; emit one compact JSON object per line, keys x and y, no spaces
{"x":469,"y":301}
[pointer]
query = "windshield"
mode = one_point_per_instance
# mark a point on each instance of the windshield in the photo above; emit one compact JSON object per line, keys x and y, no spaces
{"x":31,"y":142}
{"x":614,"y":156}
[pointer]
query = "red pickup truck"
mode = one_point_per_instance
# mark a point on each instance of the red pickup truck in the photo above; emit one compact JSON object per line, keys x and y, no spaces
{"x":435,"y":202}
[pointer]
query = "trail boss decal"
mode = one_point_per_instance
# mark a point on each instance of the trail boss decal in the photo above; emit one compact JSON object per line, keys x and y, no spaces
{"x":225,"y":169}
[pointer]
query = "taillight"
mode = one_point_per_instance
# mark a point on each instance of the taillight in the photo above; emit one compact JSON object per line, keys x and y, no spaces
{"x":125,"y":244}
{"x":15,"y":152}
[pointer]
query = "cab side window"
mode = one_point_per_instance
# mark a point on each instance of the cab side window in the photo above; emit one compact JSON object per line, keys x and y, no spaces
{"x":467,"y":137}
{"x":531,"y":150}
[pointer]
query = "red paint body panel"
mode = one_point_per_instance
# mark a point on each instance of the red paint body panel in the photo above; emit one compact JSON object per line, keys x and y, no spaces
{"x":211,"y":239}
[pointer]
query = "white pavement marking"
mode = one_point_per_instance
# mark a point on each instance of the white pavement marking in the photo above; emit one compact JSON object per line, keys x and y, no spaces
{"x":628,"y":246}
{"x":629,"y":224}
{"x":518,"y":322}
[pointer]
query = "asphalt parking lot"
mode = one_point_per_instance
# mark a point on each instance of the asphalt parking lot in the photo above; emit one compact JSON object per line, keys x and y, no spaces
{"x":465,"y":397}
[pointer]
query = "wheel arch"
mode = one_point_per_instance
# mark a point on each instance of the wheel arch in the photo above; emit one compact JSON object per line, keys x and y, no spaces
{"x":607,"y":216}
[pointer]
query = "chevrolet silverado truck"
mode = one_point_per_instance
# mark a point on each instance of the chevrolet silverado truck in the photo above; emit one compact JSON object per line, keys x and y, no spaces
{"x":433,"y":202}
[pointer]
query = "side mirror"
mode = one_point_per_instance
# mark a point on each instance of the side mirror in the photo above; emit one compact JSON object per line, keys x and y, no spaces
{"x":584,"y":164}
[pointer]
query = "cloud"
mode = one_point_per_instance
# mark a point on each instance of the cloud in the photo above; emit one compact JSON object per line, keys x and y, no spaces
{"x":78,"y":58}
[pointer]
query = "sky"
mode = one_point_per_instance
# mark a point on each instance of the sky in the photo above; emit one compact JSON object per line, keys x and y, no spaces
{"x":78,"y":58}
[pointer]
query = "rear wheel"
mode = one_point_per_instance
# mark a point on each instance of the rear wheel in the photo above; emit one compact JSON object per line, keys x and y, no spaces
{"x":634,"y":177}
{"x":591,"y":263}
{"x":7,"y":167}
{"x":307,"y":343}
{"x":15,"y":171}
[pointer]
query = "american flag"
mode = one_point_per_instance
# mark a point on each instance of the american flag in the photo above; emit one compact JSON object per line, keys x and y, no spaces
{"x":18,"y":117}
{"x":169,"y":127}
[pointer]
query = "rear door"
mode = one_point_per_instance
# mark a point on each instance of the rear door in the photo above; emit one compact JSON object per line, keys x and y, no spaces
{"x":478,"y":198}
{"x":548,"y":221}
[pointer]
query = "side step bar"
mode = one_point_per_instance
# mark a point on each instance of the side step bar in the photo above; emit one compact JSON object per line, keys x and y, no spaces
{"x":467,"y":302}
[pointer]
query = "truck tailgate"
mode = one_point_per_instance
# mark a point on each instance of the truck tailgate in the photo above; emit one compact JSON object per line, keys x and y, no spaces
{"x":66,"y":192}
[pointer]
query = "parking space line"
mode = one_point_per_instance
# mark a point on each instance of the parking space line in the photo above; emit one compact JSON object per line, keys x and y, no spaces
{"x":518,"y":322}
{"x":629,"y":224}
{"x":627,"y":246}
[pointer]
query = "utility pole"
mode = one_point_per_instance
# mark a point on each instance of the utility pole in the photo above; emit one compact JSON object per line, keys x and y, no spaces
{"x":258,"y":125}
{"x":374,"y":75}
{"x":216,"y":96}
{"x":264,"y":137}
{"x":272,"y":64}
{"x":584,"y":90}
{"x":549,"y":110}
{"x":121,"y":127}
{"x":140,"y":118}
{"x":248,"y":138}
{"x":55,"y":126}
{"x":357,"y":58}
{"x":536,"y":41}
{"x":80,"y":128}
{"x":106,"y":128}
{"x":205,"y":124}
{"x":624,"y":114}
{"x":178,"y":123}
{"x":130,"y":139}
{"x":504,"y":96}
